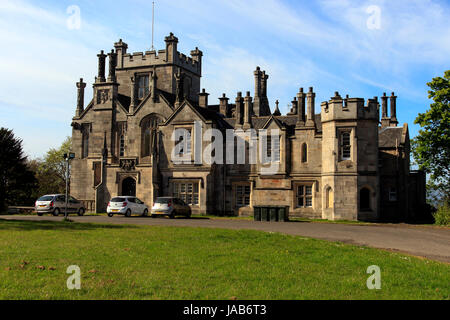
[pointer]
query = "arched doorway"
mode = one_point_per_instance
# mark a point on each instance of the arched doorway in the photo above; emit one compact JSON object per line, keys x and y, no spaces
{"x":129,"y":187}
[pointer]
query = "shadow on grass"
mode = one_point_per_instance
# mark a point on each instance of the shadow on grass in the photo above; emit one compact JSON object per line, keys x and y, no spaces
{"x":55,"y":225}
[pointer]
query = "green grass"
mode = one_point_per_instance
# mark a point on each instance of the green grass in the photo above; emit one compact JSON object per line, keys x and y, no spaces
{"x":143,"y":262}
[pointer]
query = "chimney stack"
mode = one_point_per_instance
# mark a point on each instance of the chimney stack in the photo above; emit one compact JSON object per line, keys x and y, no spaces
{"x":101,"y":66}
{"x":80,"y":101}
{"x":239,"y":109}
{"x":203,"y":99}
{"x":112,"y":66}
{"x":301,"y":108}
{"x":311,"y":96}
{"x":224,"y":108}
{"x":247,"y":111}
{"x":393,"y":122}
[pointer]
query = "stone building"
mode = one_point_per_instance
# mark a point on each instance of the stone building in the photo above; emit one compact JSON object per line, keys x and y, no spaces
{"x":343,"y":162}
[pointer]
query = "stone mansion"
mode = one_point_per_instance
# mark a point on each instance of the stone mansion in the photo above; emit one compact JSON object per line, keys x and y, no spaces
{"x":339,"y":160}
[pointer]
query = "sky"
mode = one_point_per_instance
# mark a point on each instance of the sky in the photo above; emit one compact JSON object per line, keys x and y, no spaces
{"x":361,"y":48}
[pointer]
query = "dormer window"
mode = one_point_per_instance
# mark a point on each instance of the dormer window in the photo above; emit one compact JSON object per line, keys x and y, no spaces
{"x":143,"y":86}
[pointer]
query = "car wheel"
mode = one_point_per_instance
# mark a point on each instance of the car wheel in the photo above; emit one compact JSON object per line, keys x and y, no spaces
{"x":153,"y":216}
{"x":40,"y":214}
{"x":172,"y":215}
{"x":56,"y":212}
{"x":81,"y":212}
{"x":189,"y":214}
{"x":145,"y":213}
{"x":128,"y":213}
{"x":110,"y":215}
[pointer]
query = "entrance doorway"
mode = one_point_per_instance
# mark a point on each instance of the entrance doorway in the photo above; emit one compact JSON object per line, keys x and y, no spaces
{"x":129,"y":187}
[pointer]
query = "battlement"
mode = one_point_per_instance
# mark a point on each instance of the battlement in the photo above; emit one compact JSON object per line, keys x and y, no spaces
{"x":170,"y":55}
{"x":338,"y":108}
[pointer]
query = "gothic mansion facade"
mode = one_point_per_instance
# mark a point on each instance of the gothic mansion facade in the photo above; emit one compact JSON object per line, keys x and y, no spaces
{"x":343,"y":162}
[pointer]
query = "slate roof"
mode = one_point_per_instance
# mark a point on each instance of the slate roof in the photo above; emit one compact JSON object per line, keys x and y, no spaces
{"x":390,"y":137}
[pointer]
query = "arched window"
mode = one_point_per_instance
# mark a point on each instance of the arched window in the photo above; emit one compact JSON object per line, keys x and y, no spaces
{"x":304,"y":153}
{"x":149,"y":127}
{"x":364,"y":199}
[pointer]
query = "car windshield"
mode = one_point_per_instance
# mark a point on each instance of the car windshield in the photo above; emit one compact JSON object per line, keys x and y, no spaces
{"x":163,"y":200}
{"x":118,"y":199}
{"x":46,"y":198}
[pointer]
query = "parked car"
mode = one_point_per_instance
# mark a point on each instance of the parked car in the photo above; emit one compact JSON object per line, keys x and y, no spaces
{"x":171,"y":207}
{"x":126,"y":206}
{"x":56,"y":203}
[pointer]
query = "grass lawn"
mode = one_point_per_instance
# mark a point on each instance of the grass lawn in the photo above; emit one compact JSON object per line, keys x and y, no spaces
{"x":146,"y":262}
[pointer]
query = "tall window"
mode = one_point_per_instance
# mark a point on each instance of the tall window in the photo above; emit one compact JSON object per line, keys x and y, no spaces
{"x":304,"y":153}
{"x":364,"y":199}
{"x":329,"y":198}
{"x":273,"y":148}
{"x":242,"y":196}
{"x":188,"y":192}
{"x":305,"y":196}
{"x":346,"y":148}
{"x":143,"y":86}
{"x":149,"y":137}
{"x":85,"y":143}
{"x":185,"y":142}
{"x":122,"y":145}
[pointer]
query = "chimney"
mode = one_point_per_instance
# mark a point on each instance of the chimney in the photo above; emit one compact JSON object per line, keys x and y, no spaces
{"x":101,"y":67}
{"x":393,"y":122}
{"x":311,"y":96}
{"x":203,"y":99}
{"x":385,"y":121}
{"x":121,"y":50}
{"x":112,"y":66}
{"x":294,"y":109}
{"x":224,"y":108}
{"x":247,"y":111}
{"x":239,"y":109}
{"x":80,"y":101}
{"x":258,"y":84}
{"x":301,"y":108}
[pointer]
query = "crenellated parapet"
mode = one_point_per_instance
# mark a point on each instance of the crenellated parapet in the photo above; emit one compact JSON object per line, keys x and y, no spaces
{"x":338,"y":108}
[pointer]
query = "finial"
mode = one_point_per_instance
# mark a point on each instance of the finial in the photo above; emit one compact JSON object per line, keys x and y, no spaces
{"x":311,"y":89}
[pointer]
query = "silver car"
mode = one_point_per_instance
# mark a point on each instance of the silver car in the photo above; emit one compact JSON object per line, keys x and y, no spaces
{"x":171,"y":207}
{"x":55,"y":204}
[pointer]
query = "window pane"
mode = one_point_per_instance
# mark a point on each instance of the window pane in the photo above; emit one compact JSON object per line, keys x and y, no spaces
{"x":300,"y":190}
{"x":300,"y":202}
{"x":309,"y":190}
{"x":182,"y":188}
{"x":308,"y":202}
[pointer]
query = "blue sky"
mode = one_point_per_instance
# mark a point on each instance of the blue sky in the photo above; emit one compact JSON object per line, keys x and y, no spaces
{"x":332,"y":45}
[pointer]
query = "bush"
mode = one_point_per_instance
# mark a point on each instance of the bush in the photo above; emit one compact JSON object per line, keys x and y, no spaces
{"x":442,"y":215}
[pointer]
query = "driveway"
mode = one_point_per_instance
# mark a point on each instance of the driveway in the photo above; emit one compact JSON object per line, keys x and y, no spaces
{"x":428,"y":242}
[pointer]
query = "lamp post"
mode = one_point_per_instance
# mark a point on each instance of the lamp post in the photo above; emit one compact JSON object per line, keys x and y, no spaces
{"x":67,"y":158}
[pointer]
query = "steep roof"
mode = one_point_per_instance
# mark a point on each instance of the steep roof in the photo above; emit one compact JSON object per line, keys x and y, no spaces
{"x":390,"y":137}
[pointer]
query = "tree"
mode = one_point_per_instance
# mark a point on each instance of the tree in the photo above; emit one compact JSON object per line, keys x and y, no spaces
{"x":17,"y":181}
{"x":431,"y":148}
{"x":51,"y":171}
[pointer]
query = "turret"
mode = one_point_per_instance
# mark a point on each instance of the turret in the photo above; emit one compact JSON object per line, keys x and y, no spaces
{"x":171,"y":47}
{"x":121,"y":50}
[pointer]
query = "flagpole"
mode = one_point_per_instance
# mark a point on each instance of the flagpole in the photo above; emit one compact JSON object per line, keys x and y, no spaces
{"x":153,"y":23}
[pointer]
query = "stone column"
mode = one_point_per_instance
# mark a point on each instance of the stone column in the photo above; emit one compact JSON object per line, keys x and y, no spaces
{"x":247,"y":111}
{"x":301,"y":108}
{"x":80,"y":101}
{"x":112,"y":66}
{"x":394,"y":121}
{"x":101,"y":67}
{"x":311,"y":96}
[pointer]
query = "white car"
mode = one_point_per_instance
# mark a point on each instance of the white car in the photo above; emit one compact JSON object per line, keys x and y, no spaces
{"x":127,"y":206}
